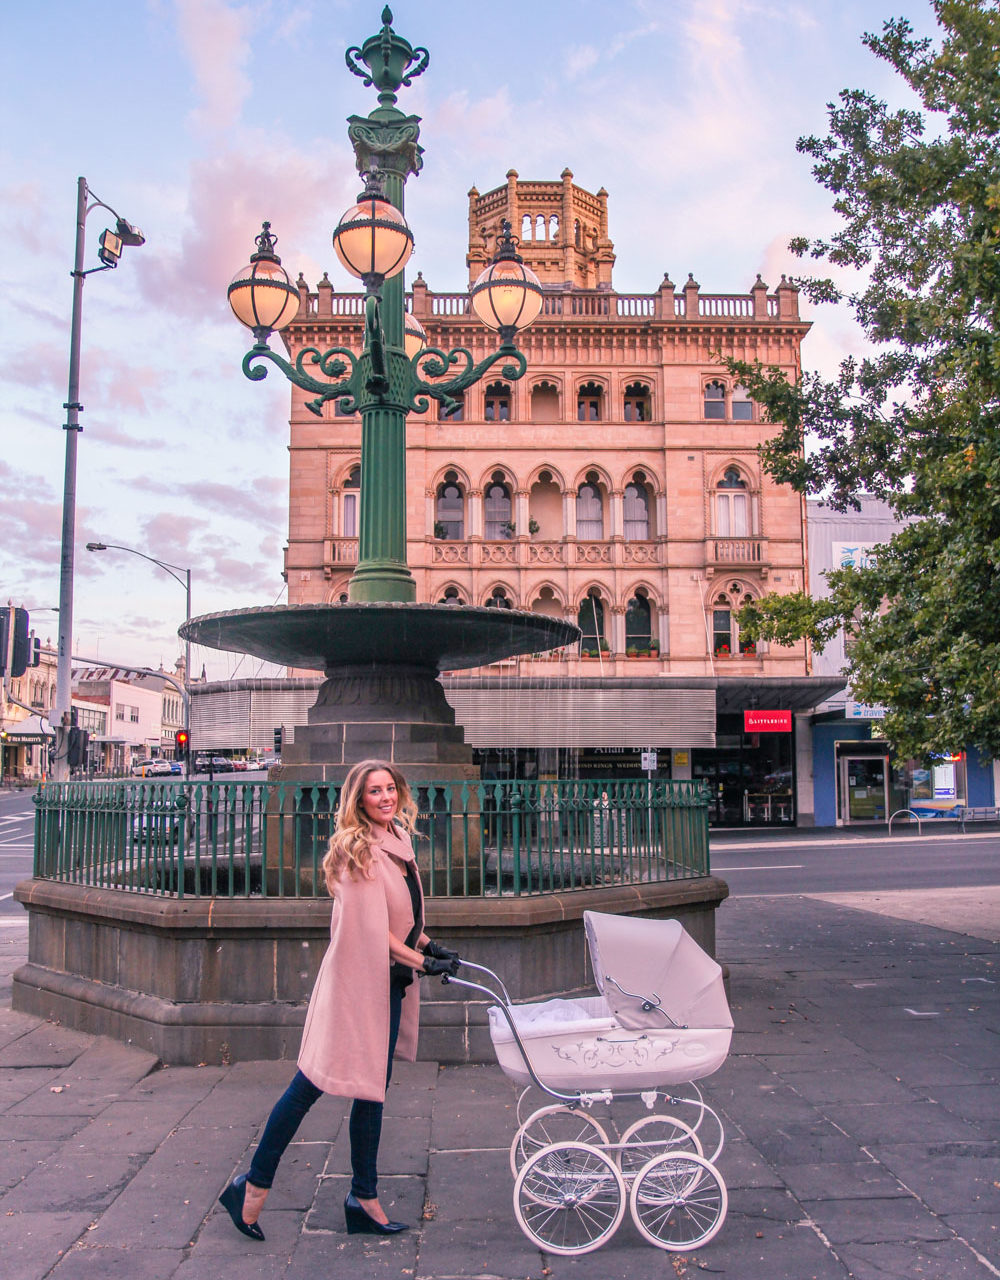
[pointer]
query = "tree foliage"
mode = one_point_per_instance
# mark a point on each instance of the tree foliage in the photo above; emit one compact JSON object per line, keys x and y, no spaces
{"x":916,"y":421}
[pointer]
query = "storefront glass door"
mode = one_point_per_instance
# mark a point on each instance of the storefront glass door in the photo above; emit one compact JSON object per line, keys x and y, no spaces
{"x":863,"y":788}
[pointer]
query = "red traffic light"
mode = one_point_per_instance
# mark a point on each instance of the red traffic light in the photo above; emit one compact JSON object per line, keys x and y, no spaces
{"x":181,"y":739}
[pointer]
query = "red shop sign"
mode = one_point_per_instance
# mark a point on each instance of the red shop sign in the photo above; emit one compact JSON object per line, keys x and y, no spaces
{"x":767,"y":722}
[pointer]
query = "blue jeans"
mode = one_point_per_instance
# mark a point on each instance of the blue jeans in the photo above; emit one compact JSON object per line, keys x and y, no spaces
{"x":365,"y":1123}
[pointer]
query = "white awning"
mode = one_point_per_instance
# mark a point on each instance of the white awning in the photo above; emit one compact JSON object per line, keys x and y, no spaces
{"x":577,"y":716}
{"x":34,"y":729}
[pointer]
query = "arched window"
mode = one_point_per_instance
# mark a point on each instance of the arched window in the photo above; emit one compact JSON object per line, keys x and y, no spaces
{"x":726,"y":637}
{"x":497,"y":523}
{"x":589,"y":510}
{"x":544,"y":402}
{"x":540,"y":227}
{"x":526,"y":226}
{"x":590,"y":620}
{"x":638,"y":621}
{"x":588,"y":402}
{"x":715,"y":400}
{"x":741,"y":406}
{"x":722,"y":628}
{"x":732,"y":506}
{"x":637,"y":403}
{"x":497,"y":403}
{"x":636,"y":505}
{"x":349,"y":499}
{"x":553,"y":225}
{"x":450,"y":596}
{"x":546,"y":602}
{"x":449,"y":510}
{"x":458,"y":415}
{"x":498,"y":599}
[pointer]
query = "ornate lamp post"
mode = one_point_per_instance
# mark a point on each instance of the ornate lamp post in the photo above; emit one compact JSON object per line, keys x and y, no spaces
{"x":394,"y":372}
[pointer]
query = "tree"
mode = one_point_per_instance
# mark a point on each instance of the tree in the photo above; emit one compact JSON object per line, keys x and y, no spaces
{"x":916,"y":422}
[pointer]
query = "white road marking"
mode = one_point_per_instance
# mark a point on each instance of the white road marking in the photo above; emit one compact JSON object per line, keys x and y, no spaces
{"x":778,"y":866}
{"x":916,"y":1013}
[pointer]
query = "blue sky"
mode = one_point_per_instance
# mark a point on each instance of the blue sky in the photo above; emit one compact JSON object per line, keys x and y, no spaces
{"x":196,"y":119}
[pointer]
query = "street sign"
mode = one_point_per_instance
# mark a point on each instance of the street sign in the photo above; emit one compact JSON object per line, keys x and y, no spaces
{"x":767,"y":722}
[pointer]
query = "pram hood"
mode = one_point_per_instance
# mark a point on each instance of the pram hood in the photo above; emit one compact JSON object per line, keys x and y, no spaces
{"x":654,"y":961}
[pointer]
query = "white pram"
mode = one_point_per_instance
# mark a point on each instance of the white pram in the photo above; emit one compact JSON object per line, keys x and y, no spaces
{"x":661,"y":1021}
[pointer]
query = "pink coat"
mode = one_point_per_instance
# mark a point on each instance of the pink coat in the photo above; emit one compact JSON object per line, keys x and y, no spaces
{"x":345,"y":1041}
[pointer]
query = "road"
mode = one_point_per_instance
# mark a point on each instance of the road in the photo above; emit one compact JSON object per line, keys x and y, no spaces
{"x":753,"y":864}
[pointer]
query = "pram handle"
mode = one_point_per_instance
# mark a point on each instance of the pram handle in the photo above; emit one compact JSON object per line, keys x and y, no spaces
{"x":503,"y":1003}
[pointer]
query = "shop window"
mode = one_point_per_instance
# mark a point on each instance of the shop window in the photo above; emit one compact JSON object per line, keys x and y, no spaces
{"x":638,"y":622}
{"x":349,"y":500}
{"x":498,"y":599}
{"x":589,"y":510}
{"x":588,"y":402}
{"x":741,"y":406}
{"x":637,"y":403}
{"x":544,"y":402}
{"x":732,"y":506}
{"x":590,"y":620}
{"x":449,"y":509}
{"x":636,"y":509}
{"x":497,"y":523}
{"x":497,"y":403}
{"x":715,"y":400}
{"x":459,"y":413}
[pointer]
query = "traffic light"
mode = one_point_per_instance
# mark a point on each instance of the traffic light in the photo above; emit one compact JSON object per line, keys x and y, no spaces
{"x":76,"y":747}
{"x":36,"y":651}
{"x":181,"y":743}
{"x":20,"y":658}
{"x":4,"y":617}
{"x":277,"y":742}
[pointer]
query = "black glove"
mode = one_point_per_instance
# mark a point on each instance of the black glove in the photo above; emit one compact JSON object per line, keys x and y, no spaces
{"x":433,"y":967}
{"x":440,"y":953}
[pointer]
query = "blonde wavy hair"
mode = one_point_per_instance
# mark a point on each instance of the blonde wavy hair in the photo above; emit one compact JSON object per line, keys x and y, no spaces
{"x":350,"y":846}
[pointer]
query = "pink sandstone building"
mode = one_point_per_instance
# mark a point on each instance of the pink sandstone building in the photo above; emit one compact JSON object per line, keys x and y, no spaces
{"x":618,"y":485}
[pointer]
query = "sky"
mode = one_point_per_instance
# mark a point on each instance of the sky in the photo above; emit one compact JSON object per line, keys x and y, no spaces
{"x":197,"y":119}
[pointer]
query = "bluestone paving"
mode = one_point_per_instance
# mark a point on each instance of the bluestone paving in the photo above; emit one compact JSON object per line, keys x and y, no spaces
{"x":861,"y":1135}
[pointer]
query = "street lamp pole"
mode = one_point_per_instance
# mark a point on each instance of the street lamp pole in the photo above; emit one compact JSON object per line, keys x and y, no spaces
{"x":394,"y":373}
{"x":173,"y":570}
{"x":111,"y":246}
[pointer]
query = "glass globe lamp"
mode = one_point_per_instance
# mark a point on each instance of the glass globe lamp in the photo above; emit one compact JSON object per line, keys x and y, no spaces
{"x":372,"y":239}
{"x":508,"y":295}
{"x":261,"y":295}
{"x":414,"y":337}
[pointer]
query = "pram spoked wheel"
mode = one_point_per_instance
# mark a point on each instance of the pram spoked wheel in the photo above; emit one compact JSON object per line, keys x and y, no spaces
{"x":678,"y":1201}
{"x":655,"y":1136}
{"x":569,"y":1198}
{"x":553,"y":1125}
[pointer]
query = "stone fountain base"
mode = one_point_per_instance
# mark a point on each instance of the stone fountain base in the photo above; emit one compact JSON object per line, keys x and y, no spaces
{"x":219,"y":980}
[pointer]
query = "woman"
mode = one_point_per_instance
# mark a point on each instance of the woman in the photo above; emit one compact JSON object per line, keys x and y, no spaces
{"x":360,"y":1004}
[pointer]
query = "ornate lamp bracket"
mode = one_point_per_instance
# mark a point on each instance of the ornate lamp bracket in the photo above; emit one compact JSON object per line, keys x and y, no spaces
{"x":435,"y":363}
{"x":333,"y":363}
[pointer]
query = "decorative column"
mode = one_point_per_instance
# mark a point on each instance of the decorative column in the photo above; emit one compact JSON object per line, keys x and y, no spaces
{"x":616,"y":505}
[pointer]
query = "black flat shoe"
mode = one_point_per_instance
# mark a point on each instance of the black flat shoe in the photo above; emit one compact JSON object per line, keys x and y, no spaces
{"x":359,"y":1220}
{"x":232,"y":1201}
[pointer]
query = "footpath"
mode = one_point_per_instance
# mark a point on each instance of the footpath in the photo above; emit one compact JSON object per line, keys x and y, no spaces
{"x":861,"y":1103}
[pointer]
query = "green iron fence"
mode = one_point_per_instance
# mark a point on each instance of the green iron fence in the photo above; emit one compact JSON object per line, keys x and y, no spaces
{"x":237,"y":839}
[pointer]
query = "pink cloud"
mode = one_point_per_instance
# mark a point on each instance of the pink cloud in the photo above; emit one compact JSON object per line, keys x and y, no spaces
{"x":229,"y":196}
{"x":215,"y":37}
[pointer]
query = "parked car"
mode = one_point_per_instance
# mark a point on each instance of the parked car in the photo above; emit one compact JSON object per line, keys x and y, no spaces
{"x":175,"y":766}
{"x":239,"y":766}
{"x":222,"y":764}
{"x":151,"y":768}
{"x":201,"y":764}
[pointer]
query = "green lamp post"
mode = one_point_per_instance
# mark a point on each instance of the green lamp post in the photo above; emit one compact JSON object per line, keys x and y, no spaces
{"x":395,"y":372}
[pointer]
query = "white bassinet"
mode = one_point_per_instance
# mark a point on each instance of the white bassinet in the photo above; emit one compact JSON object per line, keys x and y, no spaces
{"x":661,"y":1017}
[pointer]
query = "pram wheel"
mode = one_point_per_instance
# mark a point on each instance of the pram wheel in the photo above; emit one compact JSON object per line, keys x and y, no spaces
{"x":553,"y":1125}
{"x":569,"y":1198}
{"x":655,"y":1136}
{"x":678,"y":1201}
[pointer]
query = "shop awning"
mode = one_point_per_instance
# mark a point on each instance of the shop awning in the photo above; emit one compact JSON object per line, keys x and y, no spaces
{"x":786,"y":693}
{"x":584,"y":713}
{"x":33,"y":731}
